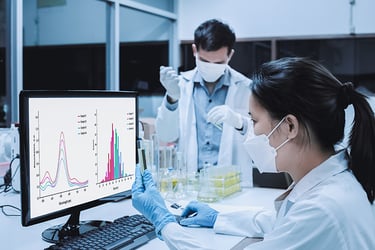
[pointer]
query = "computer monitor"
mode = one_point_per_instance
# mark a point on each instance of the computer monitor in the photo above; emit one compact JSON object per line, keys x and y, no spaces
{"x":76,"y":148}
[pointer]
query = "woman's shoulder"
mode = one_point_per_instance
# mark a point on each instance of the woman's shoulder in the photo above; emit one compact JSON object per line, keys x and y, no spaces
{"x":339,"y":196}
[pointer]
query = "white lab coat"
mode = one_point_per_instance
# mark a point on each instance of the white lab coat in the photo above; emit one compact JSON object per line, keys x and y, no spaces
{"x":181,"y":124}
{"x":326,"y":209}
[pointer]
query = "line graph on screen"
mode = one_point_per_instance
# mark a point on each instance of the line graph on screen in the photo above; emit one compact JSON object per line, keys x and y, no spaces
{"x":58,"y":178}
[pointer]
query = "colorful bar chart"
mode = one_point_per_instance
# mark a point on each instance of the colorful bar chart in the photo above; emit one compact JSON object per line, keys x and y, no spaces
{"x":115,"y":163}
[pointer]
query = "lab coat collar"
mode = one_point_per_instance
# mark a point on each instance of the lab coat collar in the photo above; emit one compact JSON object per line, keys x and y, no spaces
{"x":335,"y":164}
{"x":279,"y":200}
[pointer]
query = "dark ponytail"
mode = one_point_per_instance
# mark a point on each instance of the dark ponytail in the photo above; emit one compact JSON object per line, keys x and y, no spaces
{"x":306,"y":89}
{"x":362,"y":144}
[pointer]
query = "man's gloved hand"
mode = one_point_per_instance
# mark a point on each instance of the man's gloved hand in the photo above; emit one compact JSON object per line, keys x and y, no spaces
{"x":148,"y":201}
{"x":169,"y":79}
{"x":205,"y":215}
{"x":224,"y":114}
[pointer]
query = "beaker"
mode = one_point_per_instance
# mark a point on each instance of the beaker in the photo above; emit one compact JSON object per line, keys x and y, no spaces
{"x":207,"y":191}
{"x":165,"y":169}
{"x":181,"y":176}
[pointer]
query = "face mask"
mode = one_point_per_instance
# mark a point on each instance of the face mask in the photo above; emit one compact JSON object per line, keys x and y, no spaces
{"x":210,"y":72}
{"x":262,"y":153}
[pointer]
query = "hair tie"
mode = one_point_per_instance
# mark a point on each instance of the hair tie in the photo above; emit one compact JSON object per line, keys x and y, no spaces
{"x":344,"y":98}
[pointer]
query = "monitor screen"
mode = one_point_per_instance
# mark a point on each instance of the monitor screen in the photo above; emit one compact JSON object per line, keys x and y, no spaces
{"x":77,"y":147}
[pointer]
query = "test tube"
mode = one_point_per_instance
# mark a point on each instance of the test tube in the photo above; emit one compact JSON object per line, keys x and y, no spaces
{"x":218,"y":126}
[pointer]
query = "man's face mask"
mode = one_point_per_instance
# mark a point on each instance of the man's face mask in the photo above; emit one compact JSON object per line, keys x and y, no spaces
{"x":262,"y":153}
{"x":210,"y":72}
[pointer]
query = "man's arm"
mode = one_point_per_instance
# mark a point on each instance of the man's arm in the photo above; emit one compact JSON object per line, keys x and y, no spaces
{"x":167,"y":121}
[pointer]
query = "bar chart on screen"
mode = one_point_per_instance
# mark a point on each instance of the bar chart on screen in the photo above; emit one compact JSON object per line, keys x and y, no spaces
{"x":115,"y":163}
{"x":112,"y":167}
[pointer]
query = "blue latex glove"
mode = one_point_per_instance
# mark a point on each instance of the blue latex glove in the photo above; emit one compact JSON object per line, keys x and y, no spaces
{"x":148,"y":201}
{"x":205,"y":215}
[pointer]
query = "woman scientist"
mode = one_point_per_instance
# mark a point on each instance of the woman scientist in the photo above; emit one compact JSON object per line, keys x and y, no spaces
{"x":297,"y":107}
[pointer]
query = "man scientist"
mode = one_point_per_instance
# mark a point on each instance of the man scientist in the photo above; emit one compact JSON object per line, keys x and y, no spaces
{"x":205,"y":109}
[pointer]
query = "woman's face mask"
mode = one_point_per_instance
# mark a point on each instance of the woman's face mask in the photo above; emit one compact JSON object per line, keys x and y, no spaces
{"x":262,"y":153}
{"x":210,"y":72}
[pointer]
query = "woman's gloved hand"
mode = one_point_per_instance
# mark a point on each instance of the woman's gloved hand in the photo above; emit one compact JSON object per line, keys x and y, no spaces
{"x":205,"y":216}
{"x":148,"y":201}
{"x":224,"y":114}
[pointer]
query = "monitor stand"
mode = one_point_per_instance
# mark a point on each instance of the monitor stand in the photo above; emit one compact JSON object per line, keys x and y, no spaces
{"x":73,"y":227}
{"x":117,"y":197}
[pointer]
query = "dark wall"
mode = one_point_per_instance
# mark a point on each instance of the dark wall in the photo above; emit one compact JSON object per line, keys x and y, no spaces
{"x":84,"y":66}
{"x":2,"y":72}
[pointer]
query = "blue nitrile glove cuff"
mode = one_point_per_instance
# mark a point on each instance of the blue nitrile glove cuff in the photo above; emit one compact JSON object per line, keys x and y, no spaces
{"x":148,"y":201}
{"x":161,"y":221}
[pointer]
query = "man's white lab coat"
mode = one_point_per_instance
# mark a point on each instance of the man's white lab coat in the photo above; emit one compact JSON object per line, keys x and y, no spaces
{"x":181,"y":124}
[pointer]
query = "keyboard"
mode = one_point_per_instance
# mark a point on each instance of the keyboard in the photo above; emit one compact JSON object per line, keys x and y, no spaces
{"x":128,"y":232}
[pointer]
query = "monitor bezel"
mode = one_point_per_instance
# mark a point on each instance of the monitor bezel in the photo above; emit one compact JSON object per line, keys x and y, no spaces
{"x":24,"y":97}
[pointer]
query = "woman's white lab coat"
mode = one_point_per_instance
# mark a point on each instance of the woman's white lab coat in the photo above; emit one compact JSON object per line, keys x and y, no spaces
{"x":326,"y":209}
{"x":181,"y":124}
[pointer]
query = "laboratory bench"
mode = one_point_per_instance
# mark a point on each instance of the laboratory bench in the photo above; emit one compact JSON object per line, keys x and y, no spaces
{"x":14,"y":236}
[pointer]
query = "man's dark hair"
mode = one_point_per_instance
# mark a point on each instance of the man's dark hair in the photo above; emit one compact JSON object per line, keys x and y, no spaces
{"x":213,"y":34}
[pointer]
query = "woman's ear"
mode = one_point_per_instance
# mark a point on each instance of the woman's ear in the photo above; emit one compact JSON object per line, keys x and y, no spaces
{"x":293,"y":126}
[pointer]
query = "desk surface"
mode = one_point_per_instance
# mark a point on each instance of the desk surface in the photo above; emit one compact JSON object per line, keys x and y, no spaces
{"x":14,"y":236}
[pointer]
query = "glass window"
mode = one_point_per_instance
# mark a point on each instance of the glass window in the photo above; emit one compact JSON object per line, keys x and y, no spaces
{"x":335,"y":54}
{"x":349,"y":59}
{"x":167,"y":5}
{"x":247,"y":57}
{"x":139,"y":66}
{"x":64,"y":48}
{"x":364,"y":63}
{"x":3,"y":27}
{"x":144,"y":47}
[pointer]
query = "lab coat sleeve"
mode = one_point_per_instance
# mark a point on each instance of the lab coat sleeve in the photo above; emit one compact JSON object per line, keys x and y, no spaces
{"x":177,"y":237}
{"x":250,"y":223}
{"x":167,"y":123}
